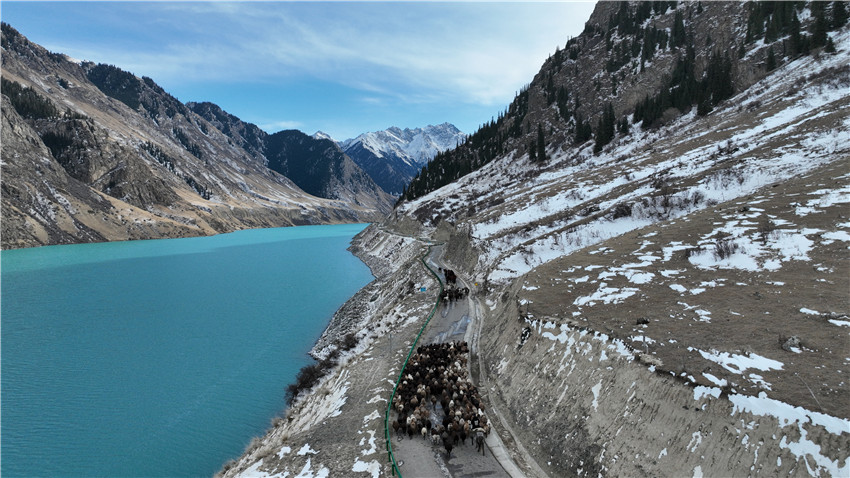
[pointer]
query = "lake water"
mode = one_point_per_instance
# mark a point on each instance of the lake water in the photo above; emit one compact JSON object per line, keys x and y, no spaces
{"x":163,"y":357}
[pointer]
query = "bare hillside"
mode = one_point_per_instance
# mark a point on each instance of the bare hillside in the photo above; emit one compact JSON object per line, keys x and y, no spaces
{"x":92,"y":153}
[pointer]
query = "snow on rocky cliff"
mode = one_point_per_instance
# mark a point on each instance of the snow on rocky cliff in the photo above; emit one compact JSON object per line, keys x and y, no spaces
{"x":413,"y":146}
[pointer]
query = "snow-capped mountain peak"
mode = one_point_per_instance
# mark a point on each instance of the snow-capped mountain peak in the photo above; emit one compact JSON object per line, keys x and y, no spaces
{"x":322,"y":135}
{"x":394,"y":156}
{"x":413,"y":146}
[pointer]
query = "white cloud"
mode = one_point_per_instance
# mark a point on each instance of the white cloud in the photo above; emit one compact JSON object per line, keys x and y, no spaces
{"x":275,"y":126}
{"x":341,"y":67}
{"x":469,"y":52}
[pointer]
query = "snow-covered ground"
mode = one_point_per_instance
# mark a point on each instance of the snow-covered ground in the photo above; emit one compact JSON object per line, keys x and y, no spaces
{"x":570,"y":345}
{"x":569,"y":207}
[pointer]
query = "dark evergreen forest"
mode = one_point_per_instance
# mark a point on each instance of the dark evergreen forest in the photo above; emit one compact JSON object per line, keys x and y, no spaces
{"x":628,"y":39}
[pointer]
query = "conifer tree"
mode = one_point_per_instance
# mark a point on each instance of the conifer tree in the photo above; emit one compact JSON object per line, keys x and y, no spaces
{"x":839,"y":14}
{"x":605,"y":130}
{"x":794,"y":39}
{"x":541,"y":144}
{"x":583,"y":131}
{"x":678,"y":36}
{"x":624,"y":126}
{"x":718,"y":78}
{"x":648,"y":50}
{"x":830,"y":46}
{"x":819,"y":26}
{"x":550,"y":90}
{"x":755,"y":22}
{"x":704,"y":107}
{"x":27,"y":102}
{"x":771,"y":33}
{"x":609,"y":121}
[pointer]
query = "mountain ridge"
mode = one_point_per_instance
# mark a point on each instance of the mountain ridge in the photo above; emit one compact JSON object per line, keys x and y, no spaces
{"x":316,"y":164}
{"x":419,"y":144}
{"x":152,"y":166}
{"x":394,"y":156}
{"x":628,"y":59}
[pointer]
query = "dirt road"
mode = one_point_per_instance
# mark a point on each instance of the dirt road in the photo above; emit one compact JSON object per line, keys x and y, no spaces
{"x":418,"y":457}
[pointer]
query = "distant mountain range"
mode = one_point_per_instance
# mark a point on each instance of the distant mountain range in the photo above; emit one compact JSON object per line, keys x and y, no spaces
{"x":392,"y":157}
{"x":94,"y":153}
{"x":316,"y":164}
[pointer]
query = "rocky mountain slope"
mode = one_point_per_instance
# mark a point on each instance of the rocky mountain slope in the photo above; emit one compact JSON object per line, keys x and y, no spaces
{"x":643,"y":64}
{"x":93,"y":153}
{"x":661,"y":296}
{"x":316,"y":165}
{"x":392,"y":157}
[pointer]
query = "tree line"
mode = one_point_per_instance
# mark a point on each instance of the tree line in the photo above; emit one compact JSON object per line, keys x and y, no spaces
{"x":27,"y":102}
{"x":628,"y":38}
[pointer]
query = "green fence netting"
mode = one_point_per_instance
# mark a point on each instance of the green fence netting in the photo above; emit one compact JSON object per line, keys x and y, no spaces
{"x":396,"y":471}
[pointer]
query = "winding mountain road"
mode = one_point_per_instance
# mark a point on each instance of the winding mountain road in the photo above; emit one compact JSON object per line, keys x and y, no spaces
{"x":417,"y":458}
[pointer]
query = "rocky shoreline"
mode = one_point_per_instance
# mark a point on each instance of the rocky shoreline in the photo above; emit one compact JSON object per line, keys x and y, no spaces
{"x":338,"y":428}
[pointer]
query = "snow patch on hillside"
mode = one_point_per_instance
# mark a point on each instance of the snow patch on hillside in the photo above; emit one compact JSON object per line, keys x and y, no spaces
{"x":525,"y":220}
{"x":573,"y":342}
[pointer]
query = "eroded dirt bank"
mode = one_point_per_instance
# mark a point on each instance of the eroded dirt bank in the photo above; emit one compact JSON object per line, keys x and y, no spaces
{"x":585,"y":404}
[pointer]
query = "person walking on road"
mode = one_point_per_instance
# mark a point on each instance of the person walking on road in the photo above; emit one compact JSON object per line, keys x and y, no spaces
{"x":479,"y":440}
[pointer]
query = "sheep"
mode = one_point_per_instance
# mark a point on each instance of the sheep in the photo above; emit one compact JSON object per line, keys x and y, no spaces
{"x":437,"y":374}
{"x":411,"y":426}
{"x":447,"y":443}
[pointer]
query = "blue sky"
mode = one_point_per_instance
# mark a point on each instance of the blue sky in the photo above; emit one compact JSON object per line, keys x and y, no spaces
{"x":344,"y":68}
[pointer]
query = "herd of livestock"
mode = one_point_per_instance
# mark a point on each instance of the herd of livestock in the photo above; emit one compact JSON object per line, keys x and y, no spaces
{"x":436,"y":400}
{"x":451,"y":292}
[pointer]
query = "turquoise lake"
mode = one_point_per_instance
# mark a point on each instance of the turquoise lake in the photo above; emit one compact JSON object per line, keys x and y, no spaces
{"x":164,"y":357}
